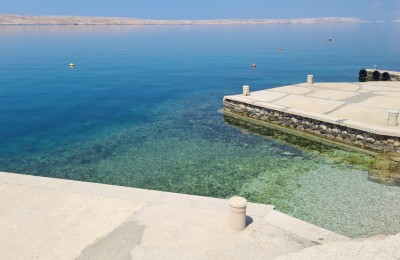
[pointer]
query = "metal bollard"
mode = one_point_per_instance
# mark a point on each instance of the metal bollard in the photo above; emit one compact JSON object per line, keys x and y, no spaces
{"x":310,"y":79}
{"x":393,"y":117}
{"x":237,"y":213}
{"x":246,"y":90}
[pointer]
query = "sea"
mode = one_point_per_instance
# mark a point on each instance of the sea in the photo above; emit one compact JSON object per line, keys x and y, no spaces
{"x":142,"y":107}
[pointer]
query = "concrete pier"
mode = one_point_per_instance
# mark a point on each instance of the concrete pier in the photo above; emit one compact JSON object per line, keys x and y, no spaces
{"x":352,"y":113}
{"x":393,"y":75}
{"x":46,"y":218}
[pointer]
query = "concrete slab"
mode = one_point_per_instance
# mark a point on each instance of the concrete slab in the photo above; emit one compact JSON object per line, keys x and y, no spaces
{"x":63,"y":219}
{"x":125,"y":192}
{"x":37,"y":223}
{"x":22,"y":179}
{"x":380,"y":247}
{"x":345,"y":86}
{"x":364,"y":105}
{"x":362,"y":113}
{"x":295,"y":89}
{"x":388,"y":93}
{"x":382,"y":87}
{"x":301,"y":228}
{"x":194,"y":201}
{"x":202,"y":234}
{"x":383,"y":102}
{"x":308,"y":103}
{"x":385,"y":84}
{"x":266,"y":96}
{"x":380,"y":130}
{"x":270,"y":106}
{"x":45,"y":220}
{"x":321,"y":117}
{"x":332,"y":94}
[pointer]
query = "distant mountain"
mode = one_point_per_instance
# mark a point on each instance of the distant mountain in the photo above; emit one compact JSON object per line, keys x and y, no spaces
{"x":85,"y":20}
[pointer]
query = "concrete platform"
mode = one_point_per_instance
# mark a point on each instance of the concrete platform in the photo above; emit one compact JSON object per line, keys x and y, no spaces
{"x":394,"y":75}
{"x":45,"y":218}
{"x":363,"y":106}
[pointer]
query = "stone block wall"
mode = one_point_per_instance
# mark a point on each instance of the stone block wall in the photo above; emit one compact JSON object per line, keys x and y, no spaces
{"x":358,"y":138}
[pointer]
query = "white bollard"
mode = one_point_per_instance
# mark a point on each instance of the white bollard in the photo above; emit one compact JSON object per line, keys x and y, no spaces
{"x":246,"y":90}
{"x":393,"y":117}
{"x":237,"y":213}
{"x":310,"y":79}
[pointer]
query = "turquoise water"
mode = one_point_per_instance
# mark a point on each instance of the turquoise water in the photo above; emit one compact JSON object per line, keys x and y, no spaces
{"x":140,"y":109}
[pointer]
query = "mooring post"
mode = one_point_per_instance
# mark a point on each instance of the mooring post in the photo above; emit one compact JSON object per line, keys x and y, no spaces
{"x":246,"y":90}
{"x":393,"y":117}
{"x":237,"y":213}
{"x":310,"y":79}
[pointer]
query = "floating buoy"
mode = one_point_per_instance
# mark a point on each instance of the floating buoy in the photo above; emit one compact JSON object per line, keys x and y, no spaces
{"x":71,"y":65}
{"x":330,"y":39}
{"x":254,"y":66}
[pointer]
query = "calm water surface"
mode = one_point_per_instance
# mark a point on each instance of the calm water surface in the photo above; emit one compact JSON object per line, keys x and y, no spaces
{"x":140,"y":109}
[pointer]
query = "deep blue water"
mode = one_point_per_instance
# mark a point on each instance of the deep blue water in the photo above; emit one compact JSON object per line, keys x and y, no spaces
{"x":124,"y":74}
{"x":140,"y":106}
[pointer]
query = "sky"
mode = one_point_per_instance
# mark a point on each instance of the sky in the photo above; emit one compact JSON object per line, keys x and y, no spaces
{"x":208,"y":9}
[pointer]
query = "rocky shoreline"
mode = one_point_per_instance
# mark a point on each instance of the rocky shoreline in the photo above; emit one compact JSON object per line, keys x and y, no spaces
{"x":6,"y":19}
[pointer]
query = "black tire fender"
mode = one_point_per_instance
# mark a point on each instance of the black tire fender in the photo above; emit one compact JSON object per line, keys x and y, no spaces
{"x":376,"y":75}
{"x":385,"y":76}
{"x":363,"y":73}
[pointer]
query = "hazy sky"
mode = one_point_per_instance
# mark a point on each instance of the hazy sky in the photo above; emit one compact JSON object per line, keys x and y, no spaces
{"x":207,"y":9}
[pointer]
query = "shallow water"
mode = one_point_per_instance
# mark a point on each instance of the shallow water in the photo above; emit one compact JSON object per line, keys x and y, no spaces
{"x":140,"y":109}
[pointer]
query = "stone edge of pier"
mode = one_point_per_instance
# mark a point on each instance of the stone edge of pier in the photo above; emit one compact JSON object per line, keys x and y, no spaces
{"x":345,"y":131}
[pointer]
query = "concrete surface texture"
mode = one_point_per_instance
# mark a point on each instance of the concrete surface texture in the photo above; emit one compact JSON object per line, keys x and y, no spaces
{"x":360,"y":105}
{"x":379,"y":247}
{"x":45,"y":218}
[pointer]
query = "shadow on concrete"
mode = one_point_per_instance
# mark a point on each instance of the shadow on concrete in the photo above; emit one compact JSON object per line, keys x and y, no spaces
{"x":249,"y":221}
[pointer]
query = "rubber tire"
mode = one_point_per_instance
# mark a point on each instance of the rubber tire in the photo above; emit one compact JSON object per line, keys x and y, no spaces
{"x":363,"y":73}
{"x":385,"y":76}
{"x":376,"y":75}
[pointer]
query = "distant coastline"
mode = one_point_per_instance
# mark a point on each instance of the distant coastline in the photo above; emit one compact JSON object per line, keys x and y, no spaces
{"x":86,"y":20}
